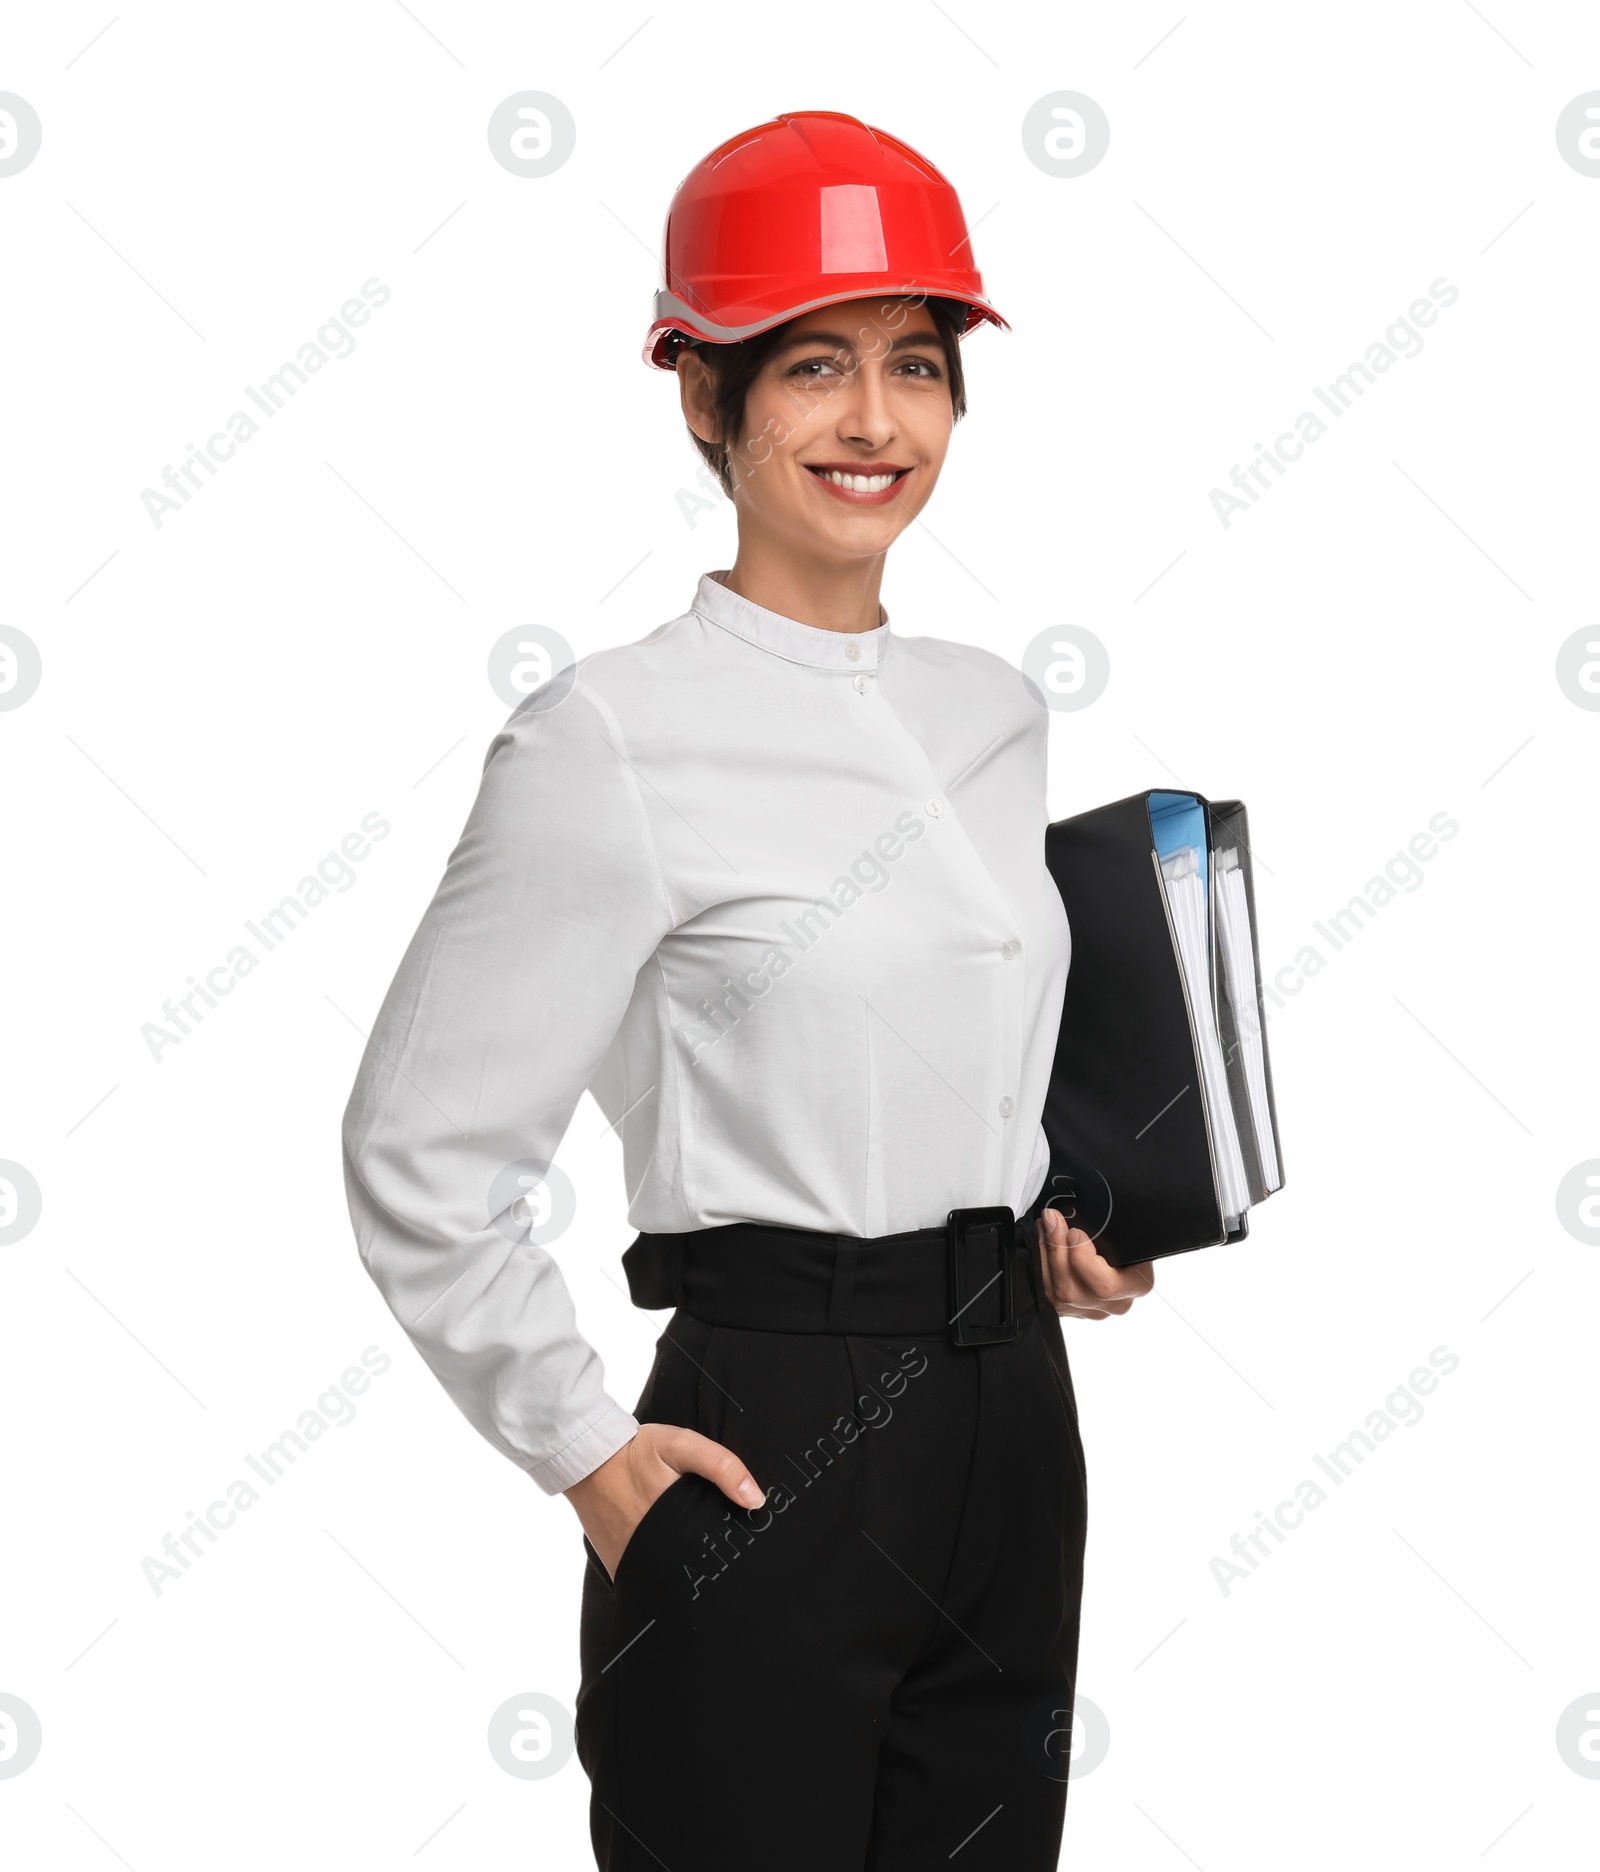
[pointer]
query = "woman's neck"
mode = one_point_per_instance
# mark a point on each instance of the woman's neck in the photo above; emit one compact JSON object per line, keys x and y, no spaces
{"x":829,"y":595}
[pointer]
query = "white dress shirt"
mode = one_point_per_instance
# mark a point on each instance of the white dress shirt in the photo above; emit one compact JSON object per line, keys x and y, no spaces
{"x":777,"y":896}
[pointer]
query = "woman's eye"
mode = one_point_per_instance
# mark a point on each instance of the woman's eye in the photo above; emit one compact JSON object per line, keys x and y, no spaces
{"x":814,"y":369}
{"x":920,"y":367}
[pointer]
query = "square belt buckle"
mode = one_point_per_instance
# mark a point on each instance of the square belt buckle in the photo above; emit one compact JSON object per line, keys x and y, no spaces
{"x":983,"y":1300}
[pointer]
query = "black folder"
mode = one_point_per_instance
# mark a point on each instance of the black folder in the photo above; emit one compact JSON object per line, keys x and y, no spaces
{"x":1160,"y":1116}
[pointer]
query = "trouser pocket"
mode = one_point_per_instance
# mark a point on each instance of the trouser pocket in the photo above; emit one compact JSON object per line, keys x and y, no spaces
{"x":637,"y":1551}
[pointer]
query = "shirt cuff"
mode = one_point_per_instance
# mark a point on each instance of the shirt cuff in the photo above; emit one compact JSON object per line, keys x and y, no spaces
{"x":587,"y":1450}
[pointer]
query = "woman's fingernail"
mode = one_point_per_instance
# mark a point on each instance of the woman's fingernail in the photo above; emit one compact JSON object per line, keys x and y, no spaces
{"x":749,"y":1494}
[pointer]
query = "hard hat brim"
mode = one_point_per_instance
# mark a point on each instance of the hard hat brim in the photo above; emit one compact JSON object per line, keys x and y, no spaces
{"x":675,"y":317}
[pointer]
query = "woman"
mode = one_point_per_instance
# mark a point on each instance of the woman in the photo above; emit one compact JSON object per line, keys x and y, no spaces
{"x":771,"y":883}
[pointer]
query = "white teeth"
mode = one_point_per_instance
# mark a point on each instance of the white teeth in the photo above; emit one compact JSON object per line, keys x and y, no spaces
{"x":860,"y":484}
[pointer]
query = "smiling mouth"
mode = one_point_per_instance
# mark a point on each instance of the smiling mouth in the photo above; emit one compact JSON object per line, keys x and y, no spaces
{"x":861,"y":488}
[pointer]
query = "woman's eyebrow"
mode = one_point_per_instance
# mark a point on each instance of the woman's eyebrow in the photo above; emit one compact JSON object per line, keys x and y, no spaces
{"x":840,"y":343}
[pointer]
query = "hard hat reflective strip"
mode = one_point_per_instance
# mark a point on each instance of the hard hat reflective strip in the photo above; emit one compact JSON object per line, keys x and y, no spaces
{"x":697,"y":325}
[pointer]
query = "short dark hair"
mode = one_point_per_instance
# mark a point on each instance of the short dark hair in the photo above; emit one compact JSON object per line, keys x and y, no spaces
{"x":734,"y":367}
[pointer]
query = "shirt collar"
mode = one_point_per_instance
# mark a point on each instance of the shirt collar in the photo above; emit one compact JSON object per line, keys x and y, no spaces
{"x":787,"y":637}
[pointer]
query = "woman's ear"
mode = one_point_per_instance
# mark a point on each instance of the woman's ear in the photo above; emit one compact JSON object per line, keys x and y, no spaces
{"x":697,"y":391}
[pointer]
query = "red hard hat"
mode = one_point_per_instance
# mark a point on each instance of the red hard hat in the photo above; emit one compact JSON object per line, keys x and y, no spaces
{"x":809,"y":210}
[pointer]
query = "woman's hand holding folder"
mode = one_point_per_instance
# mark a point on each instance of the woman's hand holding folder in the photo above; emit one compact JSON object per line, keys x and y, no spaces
{"x":1081,"y":1283}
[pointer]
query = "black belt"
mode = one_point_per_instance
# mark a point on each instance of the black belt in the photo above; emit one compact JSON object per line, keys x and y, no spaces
{"x":961,"y":1279}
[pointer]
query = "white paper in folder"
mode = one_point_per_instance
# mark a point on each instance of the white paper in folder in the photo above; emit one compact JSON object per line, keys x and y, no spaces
{"x":1238,"y":956}
{"x":1186,"y":894}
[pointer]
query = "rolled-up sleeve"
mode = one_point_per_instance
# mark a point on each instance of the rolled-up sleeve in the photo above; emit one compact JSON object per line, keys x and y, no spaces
{"x":504,"y":1004}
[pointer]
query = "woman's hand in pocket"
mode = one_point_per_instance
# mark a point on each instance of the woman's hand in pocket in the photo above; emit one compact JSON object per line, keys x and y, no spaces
{"x":1081,"y":1283}
{"x":612,"y":1500}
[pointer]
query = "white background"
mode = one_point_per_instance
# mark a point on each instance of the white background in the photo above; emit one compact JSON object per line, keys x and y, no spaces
{"x":225,"y":696}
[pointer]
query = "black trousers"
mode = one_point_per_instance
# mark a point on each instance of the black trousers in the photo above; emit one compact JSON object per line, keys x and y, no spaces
{"x":874,"y":1671}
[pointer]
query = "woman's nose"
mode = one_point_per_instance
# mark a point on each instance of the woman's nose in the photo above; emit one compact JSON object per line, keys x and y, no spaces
{"x":867,"y":416}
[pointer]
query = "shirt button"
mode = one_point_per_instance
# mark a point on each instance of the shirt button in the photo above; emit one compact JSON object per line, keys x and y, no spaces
{"x":1011,"y":950}
{"x":853,"y":651}
{"x":1007,"y":1107}
{"x":935,"y":809}
{"x":863,"y":684}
